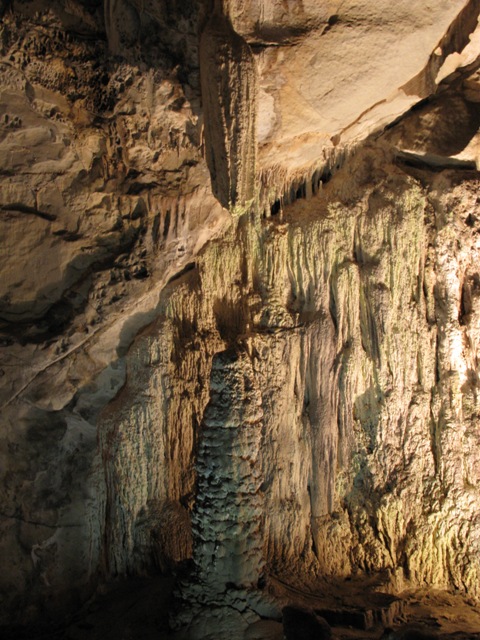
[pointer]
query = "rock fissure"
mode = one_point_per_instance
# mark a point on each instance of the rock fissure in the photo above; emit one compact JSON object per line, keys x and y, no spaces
{"x":17,"y":207}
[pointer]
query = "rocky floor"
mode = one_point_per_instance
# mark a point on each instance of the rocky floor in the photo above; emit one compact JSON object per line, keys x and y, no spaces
{"x":138,"y":609}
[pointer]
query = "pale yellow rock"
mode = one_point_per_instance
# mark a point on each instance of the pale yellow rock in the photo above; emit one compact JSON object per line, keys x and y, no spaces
{"x":157,"y":210}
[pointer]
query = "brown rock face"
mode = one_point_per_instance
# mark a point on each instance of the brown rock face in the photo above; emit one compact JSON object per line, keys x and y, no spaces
{"x":229,"y":96}
{"x":239,"y":302}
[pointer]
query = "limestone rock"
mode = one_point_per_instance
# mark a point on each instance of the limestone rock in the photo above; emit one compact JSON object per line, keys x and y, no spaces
{"x":284,"y":395}
{"x":227,"y":517}
{"x":229,"y":95}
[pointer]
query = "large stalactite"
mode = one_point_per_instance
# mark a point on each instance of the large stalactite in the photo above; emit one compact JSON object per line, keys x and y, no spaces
{"x":229,"y":98}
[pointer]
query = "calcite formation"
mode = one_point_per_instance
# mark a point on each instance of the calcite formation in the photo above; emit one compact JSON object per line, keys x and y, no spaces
{"x":229,"y":100}
{"x":239,"y":301}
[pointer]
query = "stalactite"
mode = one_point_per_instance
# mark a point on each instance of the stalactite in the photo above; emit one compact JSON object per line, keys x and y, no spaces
{"x":229,"y":95}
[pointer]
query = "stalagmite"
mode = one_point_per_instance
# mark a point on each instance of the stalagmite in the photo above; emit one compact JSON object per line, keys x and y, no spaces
{"x":229,"y":96}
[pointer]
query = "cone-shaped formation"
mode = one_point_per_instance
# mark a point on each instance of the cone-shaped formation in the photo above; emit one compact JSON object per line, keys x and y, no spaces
{"x":228,"y":543}
{"x":229,"y":94}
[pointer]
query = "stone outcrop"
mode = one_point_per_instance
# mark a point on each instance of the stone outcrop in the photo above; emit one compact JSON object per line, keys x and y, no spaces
{"x":240,"y":314}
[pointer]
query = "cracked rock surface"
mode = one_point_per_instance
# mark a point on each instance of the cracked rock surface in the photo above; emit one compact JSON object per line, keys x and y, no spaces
{"x":239,"y":304}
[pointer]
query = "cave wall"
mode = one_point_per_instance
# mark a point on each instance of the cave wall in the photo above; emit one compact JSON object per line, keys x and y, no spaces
{"x":240,"y":324}
{"x":349,"y":312}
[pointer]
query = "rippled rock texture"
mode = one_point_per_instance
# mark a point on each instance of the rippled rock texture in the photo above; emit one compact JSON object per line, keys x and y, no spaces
{"x":240,"y":300}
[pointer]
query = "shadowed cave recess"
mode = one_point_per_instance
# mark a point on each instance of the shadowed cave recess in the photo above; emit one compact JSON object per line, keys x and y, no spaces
{"x":239,"y":319}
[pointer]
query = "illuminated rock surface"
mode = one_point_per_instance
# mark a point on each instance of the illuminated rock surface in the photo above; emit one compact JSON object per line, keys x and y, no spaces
{"x":240,"y":314}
